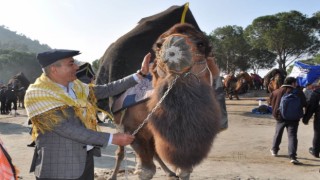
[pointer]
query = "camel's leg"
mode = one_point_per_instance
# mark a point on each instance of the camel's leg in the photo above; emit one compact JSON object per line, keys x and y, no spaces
{"x":145,"y":167}
{"x":184,"y":174}
{"x":143,"y":144}
{"x":119,"y":159}
{"x":169,"y":173}
{"x":229,"y":94}
{"x":236,"y":95}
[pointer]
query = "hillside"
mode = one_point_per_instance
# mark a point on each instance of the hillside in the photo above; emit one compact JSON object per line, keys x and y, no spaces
{"x":10,"y":40}
{"x":18,"y":54}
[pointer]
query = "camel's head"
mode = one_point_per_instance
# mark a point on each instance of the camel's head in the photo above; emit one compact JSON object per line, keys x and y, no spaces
{"x":179,"y":48}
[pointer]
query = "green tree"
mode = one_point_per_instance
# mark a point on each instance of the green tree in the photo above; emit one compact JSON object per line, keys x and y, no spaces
{"x":261,"y":59}
{"x":317,"y":59}
{"x":14,"y":62}
{"x":288,"y":34}
{"x":315,"y":19}
{"x":95,"y":65}
{"x":231,"y":50}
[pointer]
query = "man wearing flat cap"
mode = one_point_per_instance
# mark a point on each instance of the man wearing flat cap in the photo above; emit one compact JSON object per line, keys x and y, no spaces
{"x":63,"y":113}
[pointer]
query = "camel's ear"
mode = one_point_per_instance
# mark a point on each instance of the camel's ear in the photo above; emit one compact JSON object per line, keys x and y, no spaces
{"x":213,"y":67}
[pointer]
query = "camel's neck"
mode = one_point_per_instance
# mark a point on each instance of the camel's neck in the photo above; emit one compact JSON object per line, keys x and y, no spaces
{"x":202,"y":72}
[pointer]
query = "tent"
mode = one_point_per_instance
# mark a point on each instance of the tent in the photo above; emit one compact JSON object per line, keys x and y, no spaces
{"x":125,"y":55}
{"x":85,"y":73}
{"x":305,"y":73}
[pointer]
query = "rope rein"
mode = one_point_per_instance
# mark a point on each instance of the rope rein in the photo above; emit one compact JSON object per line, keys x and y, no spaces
{"x":157,"y":105}
{"x":169,"y":88}
{"x":145,"y":121}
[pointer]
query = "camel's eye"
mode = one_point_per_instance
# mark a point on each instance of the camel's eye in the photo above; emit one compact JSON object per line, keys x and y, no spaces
{"x":200,"y":45}
{"x":159,"y":45}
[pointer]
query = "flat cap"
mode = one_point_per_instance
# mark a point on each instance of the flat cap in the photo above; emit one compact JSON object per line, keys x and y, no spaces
{"x":48,"y":57}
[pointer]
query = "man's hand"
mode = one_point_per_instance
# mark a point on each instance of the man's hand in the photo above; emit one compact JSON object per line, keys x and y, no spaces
{"x":122,"y":139}
{"x":145,"y":64}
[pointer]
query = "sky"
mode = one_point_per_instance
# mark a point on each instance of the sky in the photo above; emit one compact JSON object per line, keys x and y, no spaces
{"x":92,"y":25}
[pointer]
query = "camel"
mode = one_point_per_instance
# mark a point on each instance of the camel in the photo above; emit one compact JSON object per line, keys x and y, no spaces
{"x":236,"y":85}
{"x":19,"y":84}
{"x":275,"y":82}
{"x":257,"y":81}
{"x":179,"y":122}
{"x":271,"y":75}
{"x":248,"y":81}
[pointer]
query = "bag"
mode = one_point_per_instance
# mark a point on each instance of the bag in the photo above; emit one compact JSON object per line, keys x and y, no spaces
{"x":290,"y":106}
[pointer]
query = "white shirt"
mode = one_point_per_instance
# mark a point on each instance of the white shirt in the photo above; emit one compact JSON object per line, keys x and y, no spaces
{"x":69,"y":90}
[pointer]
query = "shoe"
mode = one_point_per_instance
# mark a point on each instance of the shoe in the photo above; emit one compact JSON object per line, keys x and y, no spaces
{"x":312,"y":153}
{"x":32,"y":144}
{"x":273,"y":153}
{"x":294,"y":161}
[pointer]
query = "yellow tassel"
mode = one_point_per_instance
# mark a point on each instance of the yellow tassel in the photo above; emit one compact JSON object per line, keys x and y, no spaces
{"x":183,"y":16}
{"x":84,"y":107}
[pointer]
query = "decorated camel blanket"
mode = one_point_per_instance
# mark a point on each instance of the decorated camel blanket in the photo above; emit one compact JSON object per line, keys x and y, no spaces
{"x":134,"y":95}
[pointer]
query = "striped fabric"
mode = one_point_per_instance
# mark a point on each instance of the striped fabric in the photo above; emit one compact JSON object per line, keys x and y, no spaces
{"x":45,"y":95}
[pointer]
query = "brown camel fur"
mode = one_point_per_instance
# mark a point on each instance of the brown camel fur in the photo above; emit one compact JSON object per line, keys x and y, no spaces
{"x":275,"y":83}
{"x":233,"y":85}
{"x":181,"y":129}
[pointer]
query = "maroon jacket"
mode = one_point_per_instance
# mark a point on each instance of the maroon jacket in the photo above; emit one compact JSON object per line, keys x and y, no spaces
{"x":275,"y":97}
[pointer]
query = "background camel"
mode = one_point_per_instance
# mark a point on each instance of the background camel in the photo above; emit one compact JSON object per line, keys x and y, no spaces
{"x":276,"y":77}
{"x":236,"y":85}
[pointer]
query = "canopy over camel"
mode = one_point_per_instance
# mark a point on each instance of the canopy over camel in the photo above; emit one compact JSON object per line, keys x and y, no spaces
{"x":124,"y":56}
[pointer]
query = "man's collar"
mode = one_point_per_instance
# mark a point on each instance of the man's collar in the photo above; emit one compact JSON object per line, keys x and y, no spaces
{"x":66,"y":89}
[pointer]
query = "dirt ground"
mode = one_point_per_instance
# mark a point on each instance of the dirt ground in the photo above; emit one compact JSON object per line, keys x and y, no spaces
{"x":239,"y":153}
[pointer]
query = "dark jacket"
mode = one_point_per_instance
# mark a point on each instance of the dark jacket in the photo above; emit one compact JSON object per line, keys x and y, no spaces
{"x":275,"y":97}
{"x":2,"y":95}
{"x":313,"y":107}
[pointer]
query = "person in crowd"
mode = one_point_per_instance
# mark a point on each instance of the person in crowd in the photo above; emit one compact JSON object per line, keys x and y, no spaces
{"x":308,"y":90}
{"x":220,"y":95}
{"x":63,"y":114}
{"x":290,"y":84}
{"x":7,"y":170}
{"x":11,"y":99}
{"x":313,"y":108}
{"x":3,"y":99}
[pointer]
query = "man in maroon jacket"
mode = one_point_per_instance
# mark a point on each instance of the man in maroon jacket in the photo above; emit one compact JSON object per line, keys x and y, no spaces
{"x":313,"y":108}
{"x":290,"y":83}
